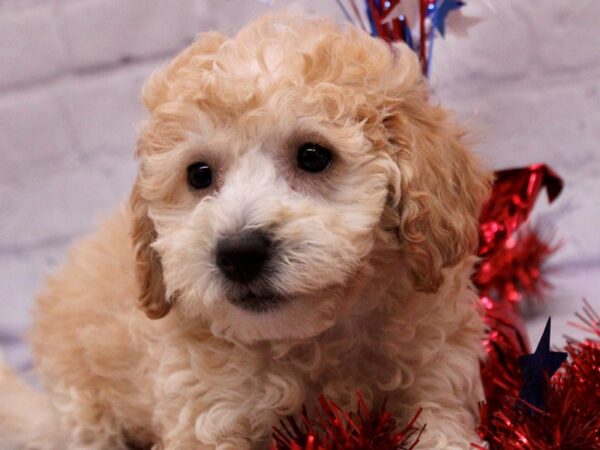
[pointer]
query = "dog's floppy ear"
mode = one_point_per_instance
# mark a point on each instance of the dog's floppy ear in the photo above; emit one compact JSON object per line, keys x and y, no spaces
{"x":152,"y":293}
{"x":442,"y":185}
{"x":166,"y":87}
{"x":442,"y":189}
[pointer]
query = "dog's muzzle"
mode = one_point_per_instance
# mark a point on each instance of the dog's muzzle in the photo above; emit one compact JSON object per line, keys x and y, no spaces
{"x":243,"y":259}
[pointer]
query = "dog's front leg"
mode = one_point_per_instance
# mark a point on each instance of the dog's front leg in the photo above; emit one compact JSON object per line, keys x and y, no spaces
{"x":447,"y":390}
{"x":191,"y":443}
{"x":219,"y":428}
{"x":87,"y":423}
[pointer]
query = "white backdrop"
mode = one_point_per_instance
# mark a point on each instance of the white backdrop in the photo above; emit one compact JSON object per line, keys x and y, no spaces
{"x":526,"y":79}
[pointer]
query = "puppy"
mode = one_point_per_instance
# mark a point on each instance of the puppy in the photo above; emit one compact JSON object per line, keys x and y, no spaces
{"x":303,"y":222}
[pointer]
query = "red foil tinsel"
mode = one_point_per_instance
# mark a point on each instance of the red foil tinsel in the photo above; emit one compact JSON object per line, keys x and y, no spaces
{"x":510,"y":262}
{"x":510,"y":269}
{"x":513,"y":196}
{"x":335,"y":429}
{"x":514,"y":272}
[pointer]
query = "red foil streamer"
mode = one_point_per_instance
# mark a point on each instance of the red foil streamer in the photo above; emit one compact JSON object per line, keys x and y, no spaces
{"x":510,"y":264}
{"x":513,"y":196}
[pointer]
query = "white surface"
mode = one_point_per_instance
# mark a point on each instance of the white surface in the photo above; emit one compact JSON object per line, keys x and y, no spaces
{"x":526,"y":79}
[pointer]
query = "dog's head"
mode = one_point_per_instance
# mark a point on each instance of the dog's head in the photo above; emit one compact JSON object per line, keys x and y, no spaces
{"x":277,"y":168}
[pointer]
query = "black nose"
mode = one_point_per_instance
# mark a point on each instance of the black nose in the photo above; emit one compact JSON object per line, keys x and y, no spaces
{"x":243,"y":257}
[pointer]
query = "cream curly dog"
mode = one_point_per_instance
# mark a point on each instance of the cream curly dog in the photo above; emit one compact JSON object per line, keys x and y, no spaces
{"x":303,"y":222}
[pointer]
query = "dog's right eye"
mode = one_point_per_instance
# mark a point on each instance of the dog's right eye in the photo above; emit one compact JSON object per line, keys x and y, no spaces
{"x":199,"y":175}
{"x":313,"y":157}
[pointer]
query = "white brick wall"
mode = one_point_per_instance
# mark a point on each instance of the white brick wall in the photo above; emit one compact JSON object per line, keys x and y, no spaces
{"x":526,"y":79}
{"x":32,"y":49}
{"x":103,"y":32}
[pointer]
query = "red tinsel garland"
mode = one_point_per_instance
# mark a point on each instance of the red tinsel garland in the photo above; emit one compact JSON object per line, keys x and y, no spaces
{"x":511,"y":262}
{"x":514,"y":272}
{"x":335,"y":429}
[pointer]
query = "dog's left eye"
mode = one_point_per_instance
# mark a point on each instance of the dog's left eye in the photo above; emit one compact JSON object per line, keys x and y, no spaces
{"x":313,"y":157}
{"x":199,"y":175}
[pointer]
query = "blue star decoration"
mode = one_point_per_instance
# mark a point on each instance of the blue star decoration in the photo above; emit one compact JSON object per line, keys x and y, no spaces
{"x":537,"y":369}
{"x":441,"y":12}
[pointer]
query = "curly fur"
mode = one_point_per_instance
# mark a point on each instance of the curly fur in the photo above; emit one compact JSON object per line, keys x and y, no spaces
{"x":374,"y":255}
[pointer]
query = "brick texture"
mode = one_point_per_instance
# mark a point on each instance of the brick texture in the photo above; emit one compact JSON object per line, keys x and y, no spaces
{"x":104,"y":32}
{"x":32,"y":48}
